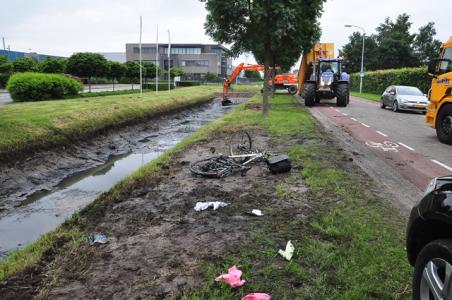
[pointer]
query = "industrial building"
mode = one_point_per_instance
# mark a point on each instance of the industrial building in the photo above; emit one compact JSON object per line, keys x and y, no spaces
{"x":194,"y":59}
{"x":15,"y":55}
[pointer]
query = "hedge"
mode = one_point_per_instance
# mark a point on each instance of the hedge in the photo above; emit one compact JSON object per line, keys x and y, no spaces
{"x":30,"y":86}
{"x":162,"y":86}
{"x":188,"y":83}
{"x":377,"y":81}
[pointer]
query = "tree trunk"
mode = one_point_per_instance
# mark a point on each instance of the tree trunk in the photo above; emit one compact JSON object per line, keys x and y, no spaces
{"x":267,"y":87}
{"x":113,"y":85}
{"x":89,"y":84}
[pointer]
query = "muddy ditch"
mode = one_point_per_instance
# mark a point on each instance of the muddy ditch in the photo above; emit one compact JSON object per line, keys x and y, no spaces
{"x":39,"y":192}
{"x":157,"y":241}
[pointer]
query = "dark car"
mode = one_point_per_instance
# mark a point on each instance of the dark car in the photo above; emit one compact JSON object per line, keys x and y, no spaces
{"x":429,"y":241}
{"x":400,"y":97}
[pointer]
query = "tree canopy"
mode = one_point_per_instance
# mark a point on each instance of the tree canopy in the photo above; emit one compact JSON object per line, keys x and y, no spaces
{"x":393,"y":46}
{"x":53,"y":65}
{"x":275,"y":31}
{"x":87,"y":65}
{"x":26,"y":64}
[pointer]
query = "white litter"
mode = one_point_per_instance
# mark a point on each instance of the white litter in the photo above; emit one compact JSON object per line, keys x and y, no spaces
{"x":257,"y":212}
{"x":205,"y":205}
{"x":288,"y":253}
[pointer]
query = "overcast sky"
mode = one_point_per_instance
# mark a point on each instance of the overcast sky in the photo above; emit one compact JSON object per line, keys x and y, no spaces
{"x":62,"y":27}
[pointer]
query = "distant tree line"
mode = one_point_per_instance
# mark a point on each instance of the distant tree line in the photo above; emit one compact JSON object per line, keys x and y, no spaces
{"x":85,"y":65}
{"x":392,"y":47}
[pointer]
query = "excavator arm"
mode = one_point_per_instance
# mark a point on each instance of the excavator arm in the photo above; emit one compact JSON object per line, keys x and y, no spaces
{"x":233,"y":76}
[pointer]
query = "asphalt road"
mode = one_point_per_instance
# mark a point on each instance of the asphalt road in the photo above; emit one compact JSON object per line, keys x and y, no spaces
{"x":396,"y":149}
{"x":408,"y":128}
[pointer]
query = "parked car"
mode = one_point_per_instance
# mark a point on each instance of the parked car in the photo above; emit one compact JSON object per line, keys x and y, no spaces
{"x":429,"y":241}
{"x":400,"y":97}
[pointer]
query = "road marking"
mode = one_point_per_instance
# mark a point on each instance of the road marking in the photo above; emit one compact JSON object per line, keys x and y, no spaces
{"x":344,"y":114}
{"x":408,"y":147}
{"x":442,"y":165}
{"x":336,"y":109}
{"x":385,"y":146}
{"x":354,"y":119}
{"x":365,"y":125}
{"x":381,"y":133}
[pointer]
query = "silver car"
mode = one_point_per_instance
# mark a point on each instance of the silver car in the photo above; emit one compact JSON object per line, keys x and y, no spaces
{"x":400,"y":97}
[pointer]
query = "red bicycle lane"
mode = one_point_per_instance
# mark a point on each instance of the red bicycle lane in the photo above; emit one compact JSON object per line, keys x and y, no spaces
{"x":413,"y":166}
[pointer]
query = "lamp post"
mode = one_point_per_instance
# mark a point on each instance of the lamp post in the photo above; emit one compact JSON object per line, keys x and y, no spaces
{"x":361,"y":74}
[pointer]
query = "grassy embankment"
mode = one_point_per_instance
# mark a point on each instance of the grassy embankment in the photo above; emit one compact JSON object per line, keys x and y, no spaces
{"x":32,"y":125}
{"x":368,"y":96}
{"x":351,"y":248}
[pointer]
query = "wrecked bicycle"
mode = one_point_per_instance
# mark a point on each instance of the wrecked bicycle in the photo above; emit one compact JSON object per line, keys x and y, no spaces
{"x":242,"y":155}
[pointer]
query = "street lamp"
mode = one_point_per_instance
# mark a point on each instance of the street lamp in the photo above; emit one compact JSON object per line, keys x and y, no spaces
{"x":361,"y":75}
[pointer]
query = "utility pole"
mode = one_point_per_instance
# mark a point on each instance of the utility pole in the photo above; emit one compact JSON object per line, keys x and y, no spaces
{"x":361,"y":74}
{"x":4,"y":45}
{"x":141,"y":61}
{"x":169,"y":62}
{"x":157,"y":62}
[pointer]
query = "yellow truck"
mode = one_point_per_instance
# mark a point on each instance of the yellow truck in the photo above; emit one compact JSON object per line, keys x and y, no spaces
{"x":439,"y":110}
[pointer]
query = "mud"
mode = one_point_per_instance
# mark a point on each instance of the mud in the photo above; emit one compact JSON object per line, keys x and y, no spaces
{"x":40,"y":192}
{"x":157,"y":242}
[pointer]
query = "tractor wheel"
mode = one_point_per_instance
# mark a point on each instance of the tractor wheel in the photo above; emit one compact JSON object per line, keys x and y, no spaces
{"x":317,"y":99}
{"x":309,"y":93}
{"x":342,"y":95}
{"x":444,"y":125}
{"x":292,"y":89}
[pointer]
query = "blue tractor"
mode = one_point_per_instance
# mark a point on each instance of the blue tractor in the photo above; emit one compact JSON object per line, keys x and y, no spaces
{"x":328,"y":80}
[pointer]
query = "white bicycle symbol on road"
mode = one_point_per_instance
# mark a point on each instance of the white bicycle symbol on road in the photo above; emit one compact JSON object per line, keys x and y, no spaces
{"x":386,"y":146}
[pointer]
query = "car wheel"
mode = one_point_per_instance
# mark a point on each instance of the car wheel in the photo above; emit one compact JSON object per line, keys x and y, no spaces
{"x":382,"y":104}
{"x":395,"y":106}
{"x":433,"y":271}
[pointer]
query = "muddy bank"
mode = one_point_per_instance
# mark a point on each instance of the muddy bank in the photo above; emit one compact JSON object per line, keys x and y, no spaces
{"x":40,"y":192}
{"x":157,"y":242}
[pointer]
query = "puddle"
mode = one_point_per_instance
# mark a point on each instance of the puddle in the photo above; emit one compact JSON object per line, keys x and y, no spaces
{"x":44,"y":210}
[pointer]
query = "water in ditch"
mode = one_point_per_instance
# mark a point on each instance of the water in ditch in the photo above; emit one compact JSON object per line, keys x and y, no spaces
{"x":44,"y":211}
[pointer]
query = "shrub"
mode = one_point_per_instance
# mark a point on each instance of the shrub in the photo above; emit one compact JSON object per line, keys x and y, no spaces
{"x":377,"y":81}
{"x":40,"y":86}
{"x":162,"y":86}
{"x":188,"y":83}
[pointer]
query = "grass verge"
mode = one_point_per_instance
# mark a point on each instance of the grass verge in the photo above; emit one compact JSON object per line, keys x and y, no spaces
{"x":350,"y":248}
{"x":368,"y":96}
{"x":34,"y":125}
{"x":353,"y":244}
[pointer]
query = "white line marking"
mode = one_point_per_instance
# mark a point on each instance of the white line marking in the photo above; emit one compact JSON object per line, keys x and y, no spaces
{"x":381,"y":133}
{"x":344,"y":114}
{"x":336,"y":109}
{"x":354,"y":119}
{"x":442,"y":165}
{"x":408,"y":147}
{"x":365,"y":125}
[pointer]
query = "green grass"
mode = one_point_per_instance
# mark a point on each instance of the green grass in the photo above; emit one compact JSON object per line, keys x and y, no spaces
{"x":351,"y":248}
{"x":32,"y":125}
{"x":368,"y":96}
{"x":353,"y":245}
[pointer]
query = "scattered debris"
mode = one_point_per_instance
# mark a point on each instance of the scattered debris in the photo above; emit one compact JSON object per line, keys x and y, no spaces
{"x":279,"y":164}
{"x":288,"y":253}
{"x":205,"y":205}
{"x":257,"y":296}
{"x":97,"y":238}
{"x":232,"y":278}
{"x":256,"y":212}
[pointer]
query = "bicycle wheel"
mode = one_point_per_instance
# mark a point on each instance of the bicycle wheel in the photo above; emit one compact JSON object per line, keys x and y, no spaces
{"x":240,"y":143}
{"x":214,"y":167}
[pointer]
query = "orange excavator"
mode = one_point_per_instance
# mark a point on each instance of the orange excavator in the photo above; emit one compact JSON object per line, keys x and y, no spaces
{"x":281,"y":81}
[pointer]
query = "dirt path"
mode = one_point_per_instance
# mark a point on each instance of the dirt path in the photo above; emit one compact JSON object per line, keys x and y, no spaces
{"x":157,"y":242}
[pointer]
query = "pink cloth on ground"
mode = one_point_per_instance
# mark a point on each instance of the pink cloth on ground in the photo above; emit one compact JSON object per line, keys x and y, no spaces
{"x":232,"y":278}
{"x":257,"y":296}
